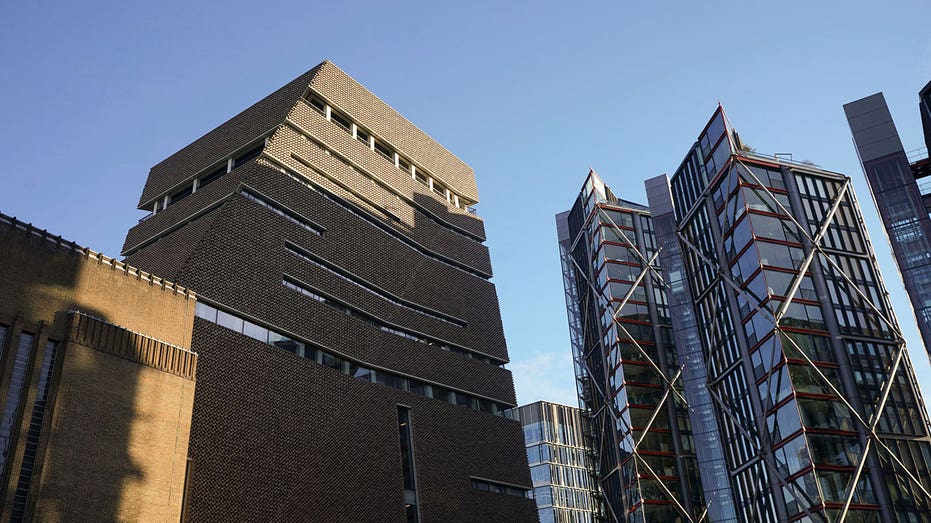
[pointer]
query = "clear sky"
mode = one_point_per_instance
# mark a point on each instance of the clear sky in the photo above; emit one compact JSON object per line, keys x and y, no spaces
{"x":530,"y":94}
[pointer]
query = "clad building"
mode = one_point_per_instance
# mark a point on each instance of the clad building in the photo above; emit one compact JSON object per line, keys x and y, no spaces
{"x":351,"y":349}
{"x":96,"y":384}
{"x":901,"y":187}
{"x":558,"y":458}
{"x":801,"y":396}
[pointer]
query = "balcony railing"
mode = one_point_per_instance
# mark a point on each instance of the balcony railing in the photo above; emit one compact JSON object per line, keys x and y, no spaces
{"x":779,"y":157}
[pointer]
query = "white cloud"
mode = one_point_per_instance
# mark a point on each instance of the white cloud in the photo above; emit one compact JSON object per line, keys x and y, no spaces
{"x":545,"y":376}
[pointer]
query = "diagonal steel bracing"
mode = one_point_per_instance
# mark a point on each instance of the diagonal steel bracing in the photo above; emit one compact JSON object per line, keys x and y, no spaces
{"x":869,"y":426}
{"x":899,"y":354}
{"x":605,"y":411}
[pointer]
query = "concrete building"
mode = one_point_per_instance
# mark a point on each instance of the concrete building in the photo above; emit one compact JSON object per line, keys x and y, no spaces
{"x":96,"y":384}
{"x":559,"y":461}
{"x":351,"y":353}
{"x":783,"y":347}
{"x":901,"y":185}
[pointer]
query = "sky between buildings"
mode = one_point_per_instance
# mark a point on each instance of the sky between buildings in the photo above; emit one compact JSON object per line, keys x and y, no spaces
{"x":530,"y":94}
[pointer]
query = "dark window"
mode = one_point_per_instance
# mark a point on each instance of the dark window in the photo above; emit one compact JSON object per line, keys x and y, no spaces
{"x":316,"y":103}
{"x":180,"y":195}
{"x":443,"y":394}
{"x":355,"y":280}
{"x":32,"y":437}
{"x":500,"y":488}
{"x":384,"y":150}
{"x":212,"y":176}
{"x":340,"y":119}
{"x":404,"y":164}
{"x":245,"y":157}
{"x":291,"y":216}
{"x":407,"y":464}
{"x":269,"y":336}
{"x":362,"y":136}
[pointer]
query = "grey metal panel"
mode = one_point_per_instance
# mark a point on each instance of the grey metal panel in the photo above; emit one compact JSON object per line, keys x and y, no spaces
{"x":879,"y":149}
{"x":562,"y":226}
{"x":873,"y":130}
{"x":659,"y":195}
{"x":865,"y":105}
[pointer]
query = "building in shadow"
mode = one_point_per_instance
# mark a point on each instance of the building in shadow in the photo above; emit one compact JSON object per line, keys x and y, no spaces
{"x":96,"y":384}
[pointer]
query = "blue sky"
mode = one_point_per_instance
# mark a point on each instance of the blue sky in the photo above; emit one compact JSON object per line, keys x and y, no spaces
{"x":530,"y":94}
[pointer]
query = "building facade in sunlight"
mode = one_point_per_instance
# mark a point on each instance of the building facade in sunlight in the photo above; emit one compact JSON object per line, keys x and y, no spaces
{"x":558,"y":458}
{"x":351,"y":349}
{"x":97,"y":384}
{"x":784,"y":334}
{"x":901,"y":185}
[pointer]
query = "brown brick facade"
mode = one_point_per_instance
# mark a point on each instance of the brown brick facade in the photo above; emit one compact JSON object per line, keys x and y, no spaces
{"x":100,"y":400}
{"x":279,"y":437}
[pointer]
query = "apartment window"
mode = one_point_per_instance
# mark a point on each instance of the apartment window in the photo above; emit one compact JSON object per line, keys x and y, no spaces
{"x":407,"y":464}
{"x":421,"y":177}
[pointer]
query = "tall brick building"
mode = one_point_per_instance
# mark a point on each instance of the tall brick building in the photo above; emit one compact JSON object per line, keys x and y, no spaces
{"x":96,"y":384}
{"x":351,"y":353}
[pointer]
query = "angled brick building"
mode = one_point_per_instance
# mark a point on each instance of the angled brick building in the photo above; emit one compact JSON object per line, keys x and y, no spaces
{"x":351,"y":353}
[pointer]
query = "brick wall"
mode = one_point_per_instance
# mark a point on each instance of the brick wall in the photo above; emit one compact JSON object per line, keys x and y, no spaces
{"x":277,"y":437}
{"x":112,"y":443}
{"x":117,"y":441}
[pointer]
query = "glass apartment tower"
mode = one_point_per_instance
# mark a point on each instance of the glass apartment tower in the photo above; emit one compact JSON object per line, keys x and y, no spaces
{"x":770,"y":326}
{"x":558,"y":458}
{"x":901,"y":185}
{"x":817,"y":403}
{"x":627,"y":369}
